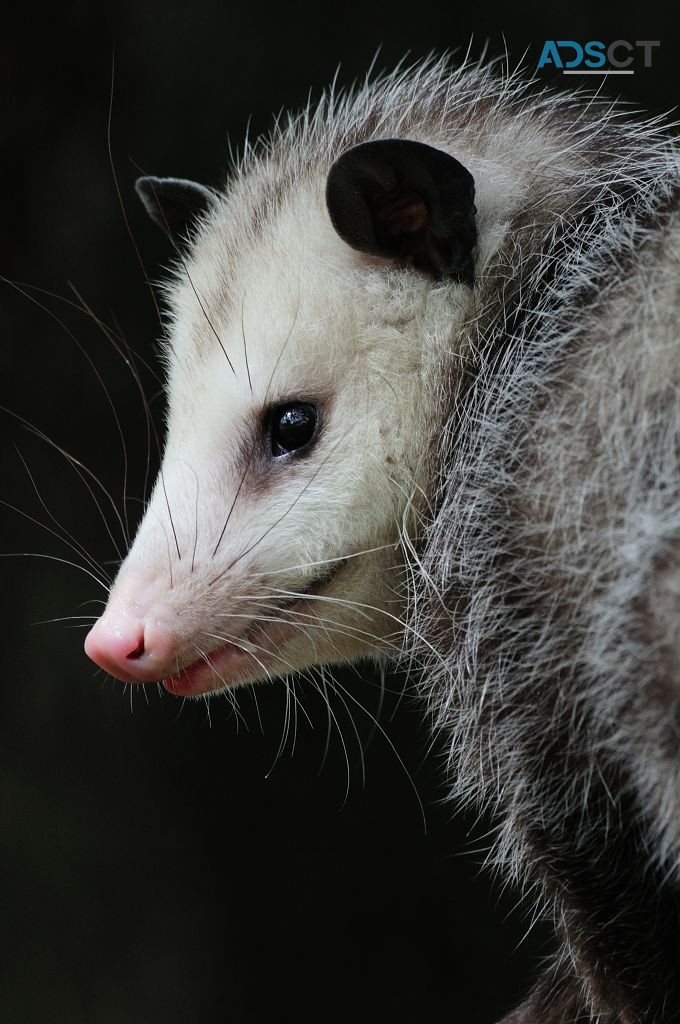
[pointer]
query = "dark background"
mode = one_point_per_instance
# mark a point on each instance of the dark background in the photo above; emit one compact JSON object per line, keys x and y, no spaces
{"x":156,"y":863}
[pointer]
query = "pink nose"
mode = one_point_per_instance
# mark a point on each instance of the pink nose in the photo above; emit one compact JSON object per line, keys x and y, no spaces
{"x":132,"y":650}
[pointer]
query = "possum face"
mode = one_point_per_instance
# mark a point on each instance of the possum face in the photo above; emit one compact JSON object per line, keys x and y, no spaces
{"x":300,"y":399}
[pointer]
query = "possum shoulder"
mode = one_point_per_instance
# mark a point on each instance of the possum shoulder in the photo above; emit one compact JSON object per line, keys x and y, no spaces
{"x":608,"y":400}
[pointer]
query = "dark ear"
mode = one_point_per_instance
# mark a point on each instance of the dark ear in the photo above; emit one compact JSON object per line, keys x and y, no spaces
{"x":174,"y":203}
{"x":407,"y":201}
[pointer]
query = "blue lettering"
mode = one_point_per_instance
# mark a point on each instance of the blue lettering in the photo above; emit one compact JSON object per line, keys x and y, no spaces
{"x":578,"y":50}
{"x":550,"y":55}
{"x":595,"y":51}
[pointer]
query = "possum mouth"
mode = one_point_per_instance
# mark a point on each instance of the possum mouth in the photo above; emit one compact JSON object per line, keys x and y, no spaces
{"x":256,"y":648}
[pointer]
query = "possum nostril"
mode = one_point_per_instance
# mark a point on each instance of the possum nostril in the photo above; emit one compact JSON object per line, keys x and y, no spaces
{"x":138,"y":651}
{"x":133,"y":651}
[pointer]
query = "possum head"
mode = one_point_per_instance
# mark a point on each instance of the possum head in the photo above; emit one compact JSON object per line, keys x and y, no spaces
{"x":307,"y":323}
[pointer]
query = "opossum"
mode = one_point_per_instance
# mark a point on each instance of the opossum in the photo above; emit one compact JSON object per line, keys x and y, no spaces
{"x":423,"y":405}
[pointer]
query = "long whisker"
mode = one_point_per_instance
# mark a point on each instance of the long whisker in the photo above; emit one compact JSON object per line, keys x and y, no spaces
{"x":360,"y":604}
{"x":345,"y":629}
{"x":284,"y":731}
{"x":226,"y":691}
{"x":94,"y":566}
{"x":338,"y":686}
{"x":120,"y":197}
{"x":193,"y":553}
{"x":253,"y":692}
{"x":356,"y":606}
{"x":322,"y":687}
{"x":245,"y":645}
{"x":327,"y":561}
{"x":354,"y":729}
{"x":81,"y":469}
{"x":207,"y":710}
{"x":66,"y":536}
{"x":204,"y":310}
{"x":253,"y":447}
{"x":101,"y":324}
{"x":180,"y":256}
{"x":81,"y":348}
{"x":83,"y":619}
{"x":83,"y":472}
{"x":122,"y":348}
{"x":329,"y":626}
{"x":331,"y":712}
{"x":245,"y":347}
{"x":51,"y":558}
{"x":273,"y":526}
{"x":381,"y":701}
{"x":296,"y":702}
{"x":161,"y":476}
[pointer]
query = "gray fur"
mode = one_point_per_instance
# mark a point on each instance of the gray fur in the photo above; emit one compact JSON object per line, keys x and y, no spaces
{"x":549,"y":582}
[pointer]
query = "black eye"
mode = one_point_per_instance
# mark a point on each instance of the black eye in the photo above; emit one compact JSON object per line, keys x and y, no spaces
{"x":292,"y":427}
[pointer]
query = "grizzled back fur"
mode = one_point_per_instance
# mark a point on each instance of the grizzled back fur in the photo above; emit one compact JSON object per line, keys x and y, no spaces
{"x":549,"y":580}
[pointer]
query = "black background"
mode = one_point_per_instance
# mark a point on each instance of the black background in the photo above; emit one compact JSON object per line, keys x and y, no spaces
{"x":157,"y":865}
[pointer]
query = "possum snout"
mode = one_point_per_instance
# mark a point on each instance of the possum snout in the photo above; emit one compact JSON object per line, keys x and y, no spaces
{"x":134,"y":649}
{"x":136,"y":639}
{"x":129,"y":647}
{"x":140,"y":645}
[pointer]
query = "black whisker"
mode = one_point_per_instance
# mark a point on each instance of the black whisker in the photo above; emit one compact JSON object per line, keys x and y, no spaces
{"x":281,"y":517}
{"x":245,"y":347}
{"x":255,"y":440}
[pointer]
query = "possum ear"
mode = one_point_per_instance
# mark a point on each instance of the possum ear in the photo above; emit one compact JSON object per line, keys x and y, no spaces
{"x":174,"y":203}
{"x":408,"y":201}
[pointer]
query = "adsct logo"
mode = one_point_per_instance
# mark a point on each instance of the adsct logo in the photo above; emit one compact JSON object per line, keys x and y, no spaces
{"x":596,"y":58}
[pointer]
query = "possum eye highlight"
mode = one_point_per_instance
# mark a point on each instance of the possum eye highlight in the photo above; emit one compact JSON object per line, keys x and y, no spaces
{"x":292,"y":427}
